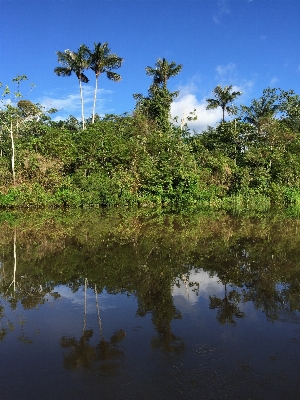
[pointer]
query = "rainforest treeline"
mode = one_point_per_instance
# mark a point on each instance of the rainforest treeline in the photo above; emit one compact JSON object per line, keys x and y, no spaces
{"x":144,"y":158}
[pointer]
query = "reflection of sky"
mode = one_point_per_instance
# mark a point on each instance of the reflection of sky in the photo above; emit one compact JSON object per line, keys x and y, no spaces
{"x":77,"y":298}
{"x":208,"y":286}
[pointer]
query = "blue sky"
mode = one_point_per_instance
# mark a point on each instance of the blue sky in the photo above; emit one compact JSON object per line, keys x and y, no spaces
{"x":251,"y":44}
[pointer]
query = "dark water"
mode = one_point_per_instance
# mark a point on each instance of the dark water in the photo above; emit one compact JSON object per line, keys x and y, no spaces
{"x":128,"y":307}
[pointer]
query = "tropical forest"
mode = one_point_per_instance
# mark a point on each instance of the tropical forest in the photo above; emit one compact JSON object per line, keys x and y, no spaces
{"x":145,"y":159}
{"x":140,"y":258}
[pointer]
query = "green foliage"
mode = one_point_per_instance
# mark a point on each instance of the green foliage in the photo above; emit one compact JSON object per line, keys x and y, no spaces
{"x":75,"y":62}
{"x":143,"y":160}
{"x":101,"y":61}
{"x":156,"y":106}
{"x":163,"y":71}
{"x":223,"y":98}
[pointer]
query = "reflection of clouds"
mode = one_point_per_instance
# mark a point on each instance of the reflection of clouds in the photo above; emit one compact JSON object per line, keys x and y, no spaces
{"x":208,"y":286}
{"x":77,"y":298}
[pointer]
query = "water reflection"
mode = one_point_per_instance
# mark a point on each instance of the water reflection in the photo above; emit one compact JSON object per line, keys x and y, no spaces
{"x":228,"y":307}
{"x":82,"y":354}
{"x":132,"y":299}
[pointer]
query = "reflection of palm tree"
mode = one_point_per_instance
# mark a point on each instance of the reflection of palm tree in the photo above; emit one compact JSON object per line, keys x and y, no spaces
{"x":105,"y":349}
{"x":84,"y":313}
{"x":227,"y":308}
{"x":84,"y":355}
{"x":15,"y":257}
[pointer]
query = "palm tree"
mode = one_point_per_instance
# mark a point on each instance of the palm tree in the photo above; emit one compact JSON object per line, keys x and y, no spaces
{"x":77,"y":63}
{"x":156,"y":106}
{"x":163,"y":71}
{"x":223,"y":98}
{"x":103,"y":61}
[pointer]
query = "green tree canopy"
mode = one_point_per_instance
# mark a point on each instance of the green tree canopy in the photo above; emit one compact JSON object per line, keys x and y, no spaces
{"x":103,"y":61}
{"x":223,"y":98}
{"x":156,"y":106}
{"x":77,"y":63}
{"x":163,"y":71}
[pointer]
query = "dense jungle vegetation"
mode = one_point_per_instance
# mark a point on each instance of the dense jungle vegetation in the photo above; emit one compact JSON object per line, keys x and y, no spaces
{"x":144,"y":158}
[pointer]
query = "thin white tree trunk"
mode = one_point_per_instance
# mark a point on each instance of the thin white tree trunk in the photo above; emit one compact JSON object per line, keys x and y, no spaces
{"x":15,"y":258}
{"x":82,"y":108}
{"x":13,"y":153}
{"x":84,"y":314}
{"x":98,"y":311}
{"x":95,"y":97}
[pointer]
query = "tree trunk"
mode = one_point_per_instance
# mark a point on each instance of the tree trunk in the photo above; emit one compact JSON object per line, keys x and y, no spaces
{"x":98,"y":311}
{"x":13,"y":153}
{"x":84,"y":314}
{"x":82,"y":109}
{"x":95,"y":96}
{"x":15,"y":258}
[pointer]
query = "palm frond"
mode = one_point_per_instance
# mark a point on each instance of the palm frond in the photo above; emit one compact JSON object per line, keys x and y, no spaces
{"x":163,"y":71}
{"x":84,"y":78}
{"x":113,"y":76}
{"x":62,"y":71}
{"x":102,"y":60}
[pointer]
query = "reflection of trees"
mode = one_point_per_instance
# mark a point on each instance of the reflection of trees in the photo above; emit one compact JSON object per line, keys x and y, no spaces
{"x":266,"y":297}
{"x":16,"y":288}
{"x":256,"y":269}
{"x":83,"y":355}
{"x":227,"y":307}
{"x":145,"y":256}
{"x":155,"y":297}
{"x":291,"y":294}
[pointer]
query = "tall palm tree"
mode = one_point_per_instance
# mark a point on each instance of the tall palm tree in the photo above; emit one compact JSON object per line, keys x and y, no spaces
{"x":77,"y":63}
{"x":223,"y":98}
{"x":163,"y":71}
{"x":103,"y":61}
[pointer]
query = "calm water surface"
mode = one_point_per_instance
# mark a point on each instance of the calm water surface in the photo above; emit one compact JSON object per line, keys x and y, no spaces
{"x":125,"y":307}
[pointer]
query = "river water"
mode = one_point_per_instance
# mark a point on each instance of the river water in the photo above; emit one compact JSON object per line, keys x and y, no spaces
{"x":124,"y":306}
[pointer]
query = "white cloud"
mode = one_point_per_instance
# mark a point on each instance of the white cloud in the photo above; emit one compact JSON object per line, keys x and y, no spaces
{"x":5,"y":102}
{"x":186,"y":103}
{"x":223,"y":9}
{"x":77,"y":298}
{"x":208,"y":286}
{"x":225,"y":70}
{"x":273,"y":81}
{"x":227,"y":74}
{"x":71,"y":105}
